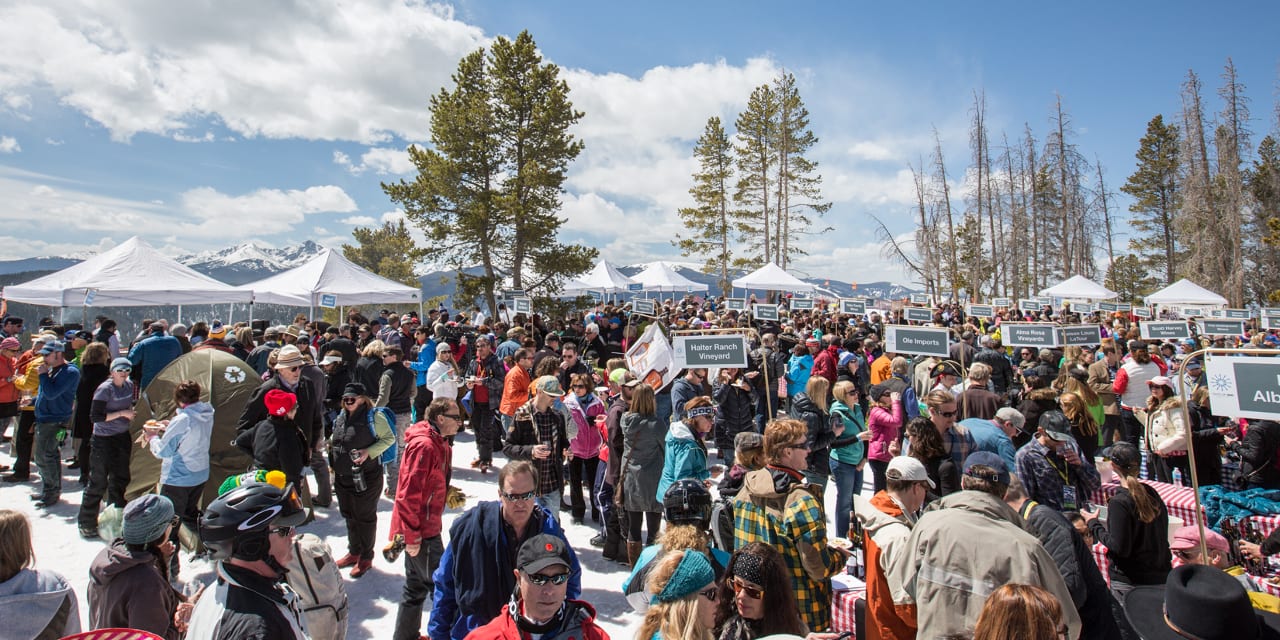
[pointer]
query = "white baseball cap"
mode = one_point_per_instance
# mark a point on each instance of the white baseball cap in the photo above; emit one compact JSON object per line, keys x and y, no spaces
{"x":909,"y":469}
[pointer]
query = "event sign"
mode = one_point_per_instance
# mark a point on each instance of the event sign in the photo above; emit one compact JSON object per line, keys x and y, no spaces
{"x":1244,"y":387}
{"x":1029,"y":334}
{"x":1142,"y":312}
{"x":635,"y":286}
{"x":1271,"y":311}
{"x":650,"y":358}
{"x":982,"y":311}
{"x":1002,"y":302}
{"x":1192,"y":312}
{"x":1175,"y":330}
{"x":644,"y":307}
{"x":1109,"y":307}
{"x":853,"y":306}
{"x":90,"y":294}
{"x":1081,"y":307}
{"x":1237,"y":314}
{"x":802,"y":303}
{"x":512,"y":294}
{"x":919,"y":298}
{"x":1078,"y":335}
{"x":328,"y":301}
{"x":1045,"y":301}
{"x":765,"y":311}
{"x":711,"y":351}
{"x":735,"y":304}
{"x":1029,"y":304}
{"x":1124,"y":307}
{"x":522,"y":305}
{"x":1222,"y":327}
{"x":596,"y":295}
{"x":1217,"y":313}
{"x":1270,"y":322}
{"x":918,"y":314}
{"x":927,"y":341}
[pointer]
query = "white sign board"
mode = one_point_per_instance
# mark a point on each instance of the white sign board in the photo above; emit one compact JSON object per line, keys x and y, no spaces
{"x":1142,"y":312}
{"x":1244,"y":387}
{"x":853,"y":306}
{"x":522,"y":305}
{"x":1222,"y":327}
{"x":1029,"y":304}
{"x":802,"y":303}
{"x":764,"y":311}
{"x":644,"y":307}
{"x":715,"y":350}
{"x":982,"y":311}
{"x":917,"y":314}
{"x":1029,"y":334}
{"x":1175,"y":330}
{"x":919,"y":298}
{"x":929,"y":341}
{"x":1001,"y":302}
{"x":735,"y":304}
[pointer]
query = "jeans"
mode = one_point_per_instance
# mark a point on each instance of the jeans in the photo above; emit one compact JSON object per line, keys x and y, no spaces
{"x":819,"y":479}
{"x":507,"y":422}
{"x":48,"y":459}
{"x":550,"y":503}
{"x":652,"y":520}
{"x":581,"y":471}
{"x":848,"y":478}
{"x":663,"y":402}
{"x":418,"y":588}
{"x":393,"y":467}
{"x":1130,"y":428}
{"x":108,"y":476}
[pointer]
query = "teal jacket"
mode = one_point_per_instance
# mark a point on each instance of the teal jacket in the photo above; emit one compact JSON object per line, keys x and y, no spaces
{"x":686,"y":458}
{"x":847,"y":448}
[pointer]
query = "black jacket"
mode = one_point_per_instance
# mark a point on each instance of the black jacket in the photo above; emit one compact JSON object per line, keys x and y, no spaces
{"x":820,"y":433}
{"x":276,"y":443}
{"x":368,"y":372}
{"x":737,"y":414}
{"x":1258,"y":455}
{"x":494,"y":377}
{"x":255,"y":608}
{"x":1139,"y":551}
{"x":945,"y":475}
{"x":1001,"y":368}
{"x":1206,"y":440}
{"x":1089,"y":590}
{"x":308,"y":416}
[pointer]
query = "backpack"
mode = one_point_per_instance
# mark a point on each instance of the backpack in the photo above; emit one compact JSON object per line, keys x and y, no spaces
{"x":722,"y":525}
{"x":318,"y":583}
{"x":389,"y":455}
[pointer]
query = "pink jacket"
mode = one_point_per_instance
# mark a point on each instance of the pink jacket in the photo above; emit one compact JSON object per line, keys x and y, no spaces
{"x":588,"y":441}
{"x":884,"y":427}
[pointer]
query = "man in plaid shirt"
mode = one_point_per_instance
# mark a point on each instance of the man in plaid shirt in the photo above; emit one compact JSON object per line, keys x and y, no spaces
{"x":539,"y":434}
{"x":776,"y":506}
{"x":1052,"y":469}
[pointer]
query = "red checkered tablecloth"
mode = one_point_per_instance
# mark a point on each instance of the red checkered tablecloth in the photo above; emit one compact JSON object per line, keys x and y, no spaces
{"x":1104,"y":563}
{"x":842,"y":608}
{"x":1181,"y":502}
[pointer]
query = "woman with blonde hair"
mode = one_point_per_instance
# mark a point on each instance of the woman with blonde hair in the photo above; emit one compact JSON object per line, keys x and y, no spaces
{"x":1020,"y":612}
{"x":811,"y":408}
{"x":683,"y":596}
{"x":1084,"y":427}
{"x":34,"y":603}
{"x":442,"y":375}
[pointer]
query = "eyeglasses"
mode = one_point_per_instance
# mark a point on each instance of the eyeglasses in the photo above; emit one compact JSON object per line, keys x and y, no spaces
{"x":1186,"y":554}
{"x":710,"y":593}
{"x":541,"y":579}
{"x":518,"y":497}
{"x":578,"y":386}
{"x":947,"y":414}
{"x":453,"y":416}
{"x":294,"y":369}
{"x":751,"y":592}
{"x":283,"y":532}
{"x":802,"y":445}
{"x":350,"y":400}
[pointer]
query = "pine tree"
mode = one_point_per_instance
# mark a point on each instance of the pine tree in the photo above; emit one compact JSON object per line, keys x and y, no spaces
{"x":1130,"y":278}
{"x":1263,"y":182}
{"x":799,"y":191}
{"x":388,"y":251}
{"x":1157,"y":201}
{"x":756,"y":154}
{"x":709,"y":222}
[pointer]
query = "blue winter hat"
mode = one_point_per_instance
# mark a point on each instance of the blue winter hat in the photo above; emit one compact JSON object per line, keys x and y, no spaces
{"x":847,"y":357}
{"x":693,"y":573}
{"x":146,"y":518}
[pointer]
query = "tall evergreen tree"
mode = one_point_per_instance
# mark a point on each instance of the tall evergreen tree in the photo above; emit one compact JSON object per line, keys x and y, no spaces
{"x":388,"y":251}
{"x":799,"y":187}
{"x":756,"y":155}
{"x":709,"y":222}
{"x":1157,"y":199}
{"x":1263,"y":181}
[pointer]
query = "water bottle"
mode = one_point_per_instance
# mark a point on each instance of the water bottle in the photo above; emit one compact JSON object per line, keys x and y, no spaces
{"x":1177,"y":477}
{"x":358,"y":474}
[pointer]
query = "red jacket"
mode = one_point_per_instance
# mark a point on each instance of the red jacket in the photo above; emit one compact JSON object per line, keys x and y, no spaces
{"x":423,"y":484}
{"x":824,"y":364}
{"x":579,"y":623}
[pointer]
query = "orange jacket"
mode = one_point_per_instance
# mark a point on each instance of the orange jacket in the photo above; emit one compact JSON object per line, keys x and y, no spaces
{"x":515,"y":391}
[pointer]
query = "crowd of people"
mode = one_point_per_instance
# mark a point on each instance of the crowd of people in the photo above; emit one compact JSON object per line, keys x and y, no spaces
{"x":711,"y":489}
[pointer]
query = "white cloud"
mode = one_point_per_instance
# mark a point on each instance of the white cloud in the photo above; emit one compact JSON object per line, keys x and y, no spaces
{"x":868,"y":150}
{"x":9,"y":145}
{"x":380,"y":160}
{"x":53,"y":142}
{"x":262,"y":211}
{"x":359,"y":221}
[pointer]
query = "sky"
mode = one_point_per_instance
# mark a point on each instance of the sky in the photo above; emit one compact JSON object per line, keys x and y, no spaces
{"x":200,"y":125}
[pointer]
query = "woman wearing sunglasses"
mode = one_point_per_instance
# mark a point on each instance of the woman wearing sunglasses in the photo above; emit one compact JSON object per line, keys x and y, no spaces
{"x":359,"y":438}
{"x":682,"y":598}
{"x":756,"y":582}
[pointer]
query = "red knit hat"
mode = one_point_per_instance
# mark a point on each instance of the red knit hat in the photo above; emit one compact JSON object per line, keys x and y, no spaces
{"x":279,"y":402}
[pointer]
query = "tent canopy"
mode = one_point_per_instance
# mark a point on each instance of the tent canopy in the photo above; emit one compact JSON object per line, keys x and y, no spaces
{"x":1185,"y":292}
{"x":606,"y":278}
{"x":659,"y":276}
{"x":772,"y":277}
{"x":1079,"y":287}
{"x":329,"y":273}
{"x":131,"y":275}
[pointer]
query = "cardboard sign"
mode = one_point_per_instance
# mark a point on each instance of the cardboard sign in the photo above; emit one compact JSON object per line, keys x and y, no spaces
{"x":764,"y":311}
{"x":853,"y":306}
{"x":981,"y":311}
{"x":1142,"y":312}
{"x":644,"y":307}
{"x":919,"y":298}
{"x":1175,"y":330}
{"x":1082,"y":335}
{"x":735,"y":304}
{"x":651,"y":360}
{"x":711,"y":351}
{"x":522,"y":305}
{"x":802,"y":303}
{"x":1244,"y":387}
{"x":918,"y":314}
{"x":328,"y":301}
{"x":1081,"y":308}
{"x":1002,"y":302}
{"x":929,"y":341}
{"x":1222,"y":327}
{"x":1029,"y":334}
{"x":1029,"y":304}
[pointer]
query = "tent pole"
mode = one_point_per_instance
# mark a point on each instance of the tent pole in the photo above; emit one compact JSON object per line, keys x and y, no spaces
{"x":179,"y":320}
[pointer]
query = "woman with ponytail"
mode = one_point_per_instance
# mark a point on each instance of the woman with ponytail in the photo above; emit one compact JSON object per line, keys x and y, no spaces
{"x":1137,"y":529}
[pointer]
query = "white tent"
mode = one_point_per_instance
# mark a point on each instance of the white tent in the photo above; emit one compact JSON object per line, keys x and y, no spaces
{"x":133,"y":274}
{"x":659,"y":276}
{"x":606,"y":278}
{"x":574,"y":287}
{"x":329,"y":273}
{"x":1079,"y":287}
{"x":1185,"y":292}
{"x":772,"y":277}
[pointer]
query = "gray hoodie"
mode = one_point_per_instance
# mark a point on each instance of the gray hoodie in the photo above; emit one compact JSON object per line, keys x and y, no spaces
{"x":37,"y":604}
{"x":127,"y":591}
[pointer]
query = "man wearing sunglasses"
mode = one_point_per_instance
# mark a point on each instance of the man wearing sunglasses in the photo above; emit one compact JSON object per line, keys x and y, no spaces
{"x":288,"y":378}
{"x":478,"y":570}
{"x":539,"y":607}
{"x":1052,"y":468}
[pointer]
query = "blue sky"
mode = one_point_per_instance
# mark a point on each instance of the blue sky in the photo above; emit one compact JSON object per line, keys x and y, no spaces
{"x":200,"y":127}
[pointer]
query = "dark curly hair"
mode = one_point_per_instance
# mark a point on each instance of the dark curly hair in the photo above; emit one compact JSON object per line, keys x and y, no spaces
{"x":783,"y":615}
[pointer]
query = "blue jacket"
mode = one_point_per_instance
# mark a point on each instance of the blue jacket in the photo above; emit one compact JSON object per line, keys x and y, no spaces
{"x":685,"y":458}
{"x":475,"y":577}
{"x":799,"y":368}
{"x":57,"y":397}
{"x":989,"y":437}
{"x":426,"y":357}
{"x":184,"y":447}
{"x":154,"y":354}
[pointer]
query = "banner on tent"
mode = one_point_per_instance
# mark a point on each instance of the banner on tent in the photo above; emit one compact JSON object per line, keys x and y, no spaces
{"x":651,"y":360}
{"x":1078,"y":336}
{"x":1192,"y":312}
{"x":1142,"y":312}
{"x":644,"y":307}
{"x":328,"y":301}
{"x":802,"y":303}
{"x":1002,"y":302}
{"x":1244,"y":386}
{"x":925,"y":341}
{"x":764,"y":311}
{"x":853,"y":306}
{"x":981,"y":311}
{"x":919,"y":298}
{"x":1029,"y":334}
{"x":635,"y":286}
{"x":735,"y":304}
{"x":1221,"y":327}
{"x":918,"y":314}
{"x":1175,"y":330}
{"x":716,"y":350}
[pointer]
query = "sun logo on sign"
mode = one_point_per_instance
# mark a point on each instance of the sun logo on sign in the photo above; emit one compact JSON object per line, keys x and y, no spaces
{"x":234,"y":374}
{"x":1221,"y":383}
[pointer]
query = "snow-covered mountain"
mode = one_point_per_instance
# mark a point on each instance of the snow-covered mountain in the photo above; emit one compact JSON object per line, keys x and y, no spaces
{"x":250,"y":261}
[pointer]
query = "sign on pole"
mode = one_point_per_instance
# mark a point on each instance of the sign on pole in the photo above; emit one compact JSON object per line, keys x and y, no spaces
{"x":651,"y":360}
{"x":802,"y":303}
{"x":1124,"y":307}
{"x":1270,"y":322}
{"x":1029,"y":304}
{"x":1222,"y":327}
{"x":928,"y":341}
{"x":1045,"y":301}
{"x":596,"y":295}
{"x":1244,"y":387}
{"x":1082,"y":335}
{"x":1109,"y":307}
{"x":918,"y":314}
{"x":735,"y":304}
{"x":1081,"y":307}
{"x":982,"y":311}
{"x":1237,"y":314}
{"x":512,"y":294}
{"x":1029,"y":334}
{"x":88,"y":297}
{"x":764,"y":311}
{"x":1175,"y":330}
{"x":1193,"y":312}
{"x":853,"y":306}
{"x":328,"y":301}
{"x":919,"y":298}
{"x":1002,"y":302}
{"x":711,"y":351}
{"x":522,"y":305}
{"x":1142,"y":312}
{"x":635,"y":286}
{"x":644,"y":307}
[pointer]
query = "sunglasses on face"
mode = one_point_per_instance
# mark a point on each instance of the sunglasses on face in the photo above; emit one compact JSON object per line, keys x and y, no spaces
{"x":541,"y":579}
{"x":947,"y":414}
{"x":294,"y":369}
{"x":350,"y":400}
{"x":710,"y":593}
{"x":578,"y":386}
{"x":801,"y":445}
{"x":283,"y":532}
{"x":1185,"y":554}
{"x":518,"y":497}
{"x":752,"y":592}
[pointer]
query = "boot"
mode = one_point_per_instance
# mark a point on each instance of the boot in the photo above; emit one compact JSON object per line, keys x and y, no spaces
{"x":633,"y":552}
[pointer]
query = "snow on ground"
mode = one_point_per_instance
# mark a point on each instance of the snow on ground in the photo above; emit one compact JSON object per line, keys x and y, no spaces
{"x":374,"y":597}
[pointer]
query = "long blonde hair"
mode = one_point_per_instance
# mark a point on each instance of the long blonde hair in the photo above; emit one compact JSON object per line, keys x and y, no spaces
{"x":1074,"y":408}
{"x":677,"y":620}
{"x":819,"y":391}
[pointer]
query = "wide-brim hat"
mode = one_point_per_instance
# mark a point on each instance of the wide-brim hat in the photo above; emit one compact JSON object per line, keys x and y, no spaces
{"x":289,"y":357}
{"x":1198,"y":601}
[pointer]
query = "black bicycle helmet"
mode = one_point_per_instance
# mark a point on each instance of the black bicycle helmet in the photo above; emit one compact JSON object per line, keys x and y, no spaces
{"x":687,"y":502}
{"x":238,"y":522}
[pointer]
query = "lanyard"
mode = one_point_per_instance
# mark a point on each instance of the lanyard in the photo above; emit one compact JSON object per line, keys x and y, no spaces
{"x":1062,"y":473}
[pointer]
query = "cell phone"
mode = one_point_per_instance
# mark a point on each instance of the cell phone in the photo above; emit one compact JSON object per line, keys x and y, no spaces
{"x":845,"y":636}
{"x":1102,"y":513}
